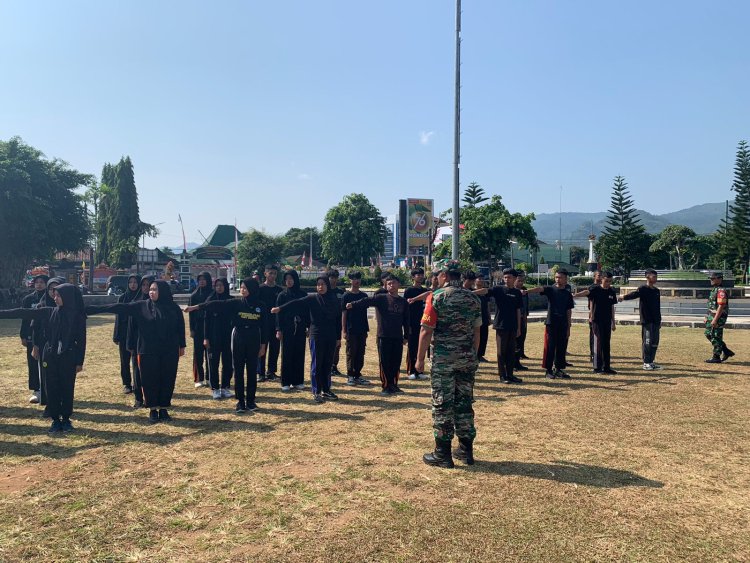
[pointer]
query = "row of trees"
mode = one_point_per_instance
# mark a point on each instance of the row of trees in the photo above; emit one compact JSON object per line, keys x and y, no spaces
{"x":625,"y":244}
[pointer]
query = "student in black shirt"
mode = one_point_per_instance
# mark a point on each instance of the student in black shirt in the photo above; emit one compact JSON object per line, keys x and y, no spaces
{"x":197,"y":320}
{"x":29,"y":302}
{"x":217,"y":331}
{"x":120,"y":336}
{"x":132,"y":343}
{"x":507,"y":324}
{"x":521,"y":340}
{"x":416,"y":308}
{"x":291,"y":331}
{"x":650,"y":313}
{"x":392,"y":312}
{"x":484,"y":330}
{"x":63,"y":351}
{"x":602,"y":300}
{"x":333,"y":280}
{"x":557,"y":325}
{"x":269,"y":293}
{"x":354,"y":329}
{"x":324,"y":311}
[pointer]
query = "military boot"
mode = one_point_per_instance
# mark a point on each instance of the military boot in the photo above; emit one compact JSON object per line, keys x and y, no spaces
{"x":714,"y":360}
{"x":441,"y":457}
{"x":465,"y":451}
{"x":727,"y":353}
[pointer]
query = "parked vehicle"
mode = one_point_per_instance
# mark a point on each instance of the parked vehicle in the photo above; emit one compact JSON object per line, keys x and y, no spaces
{"x":117,"y":285}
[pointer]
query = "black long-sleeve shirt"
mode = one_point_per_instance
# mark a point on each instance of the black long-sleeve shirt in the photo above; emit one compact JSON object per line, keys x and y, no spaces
{"x":156,"y":333}
{"x":324,"y":313}
{"x":40,"y":316}
{"x":392,"y":313}
{"x":243,"y":315}
{"x":649,"y":306}
{"x":29,"y":302}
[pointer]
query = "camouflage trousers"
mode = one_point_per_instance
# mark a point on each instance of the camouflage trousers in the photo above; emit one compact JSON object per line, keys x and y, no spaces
{"x":716,"y":335}
{"x":452,"y":392}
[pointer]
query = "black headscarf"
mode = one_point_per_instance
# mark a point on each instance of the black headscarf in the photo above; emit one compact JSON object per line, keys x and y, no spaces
{"x":254,"y":289}
{"x":66,"y":320}
{"x":164,"y":310}
{"x":143,"y":295}
{"x":214,"y":296}
{"x":46,"y":300}
{"x":201,"y":293}
{"x":295,"y":291}
{"x":129,"y":294}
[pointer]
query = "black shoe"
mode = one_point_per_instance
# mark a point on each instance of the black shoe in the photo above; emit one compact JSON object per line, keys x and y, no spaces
{"x":240,"y":407}
{"x":441,"y":457}
{"x":127,"y":389}
{"x":483,"y":360}
{"x":164,"y":415}
{"x":153,"y":416}
{"x":609,"y":371}
{"x":727,"y":354}
{"x":252,"y":407}
{"x":330,"y":396}
{"x":65,"y":425}
{"x":714,"y":360}
{"x":137,"y":404}
{"x":524,"y":357}
{"x":335,"y":371}
{"x":261,"y":378}
{"x":568,"y":365}
{"x":505,"y":380}
{"x":465,"y":451}
{"x":521,"y":367}
{"x":318,"y":398}
{"x":45,"y":413}
{"x":56,"y":426}
{"x":561,"y":374}
{"x":597,"y":370}
{"x":397,"y":389}
{"x":387,"y":393}
{"x":514,"y":379}
{"x":550,"y":374}
{"x":270,"y":376}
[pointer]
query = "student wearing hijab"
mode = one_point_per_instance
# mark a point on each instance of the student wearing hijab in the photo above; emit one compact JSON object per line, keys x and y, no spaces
{"x":29,"y":302}
{"x":120,"y":336}
{"x":291,"y":330}
{"x":217,"y":330}
{"x":132,"y":343}
{"x":161,"y":342}
{"x":197,"y":320}
{"x":324,"y":311}
{"x":39,"y":336}
{"x":249,"y":338}
{"x":63,"y":350}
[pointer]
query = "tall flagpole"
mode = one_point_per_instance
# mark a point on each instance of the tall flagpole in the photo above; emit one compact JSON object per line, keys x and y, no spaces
{"x":457,"y":137}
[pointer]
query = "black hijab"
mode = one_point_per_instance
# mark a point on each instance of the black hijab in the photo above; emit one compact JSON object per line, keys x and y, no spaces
{"x":220,"y":296}
{"x":164,"y":310}
{"x":46,"y":300}
{"x":143,"y":295}
{"x":295,"y":291}
{"x":254,"y":289}
{"x":129,"y":294}
{"x":201,"y":293}
{"x":66,"y":321}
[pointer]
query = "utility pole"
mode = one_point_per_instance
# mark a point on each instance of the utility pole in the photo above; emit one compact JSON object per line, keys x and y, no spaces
{"x":457,"y":137}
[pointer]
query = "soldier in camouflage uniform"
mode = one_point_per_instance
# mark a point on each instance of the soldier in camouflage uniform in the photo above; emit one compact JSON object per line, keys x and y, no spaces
{"x":718,"y":311}
{"x":451,"y":320}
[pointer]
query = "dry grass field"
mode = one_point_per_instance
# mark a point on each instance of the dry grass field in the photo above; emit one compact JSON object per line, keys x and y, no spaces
{"x":642,"y":466}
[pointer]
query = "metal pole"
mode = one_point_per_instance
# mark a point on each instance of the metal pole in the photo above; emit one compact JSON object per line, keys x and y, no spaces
{"x":457,"y":137}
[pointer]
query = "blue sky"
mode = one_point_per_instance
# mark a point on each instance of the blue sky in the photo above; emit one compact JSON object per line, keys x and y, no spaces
{"x":270,"y":112}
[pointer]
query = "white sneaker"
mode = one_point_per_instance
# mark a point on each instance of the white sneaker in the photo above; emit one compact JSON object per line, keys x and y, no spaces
{"x":198,"y":384}
{"x":422,"y":376}
{"x":413,"y":376}
{"x":34,"y":399}
{"x":648,"y":367}
{"x":216,"y":393}
{"x":226,"y":393}
{"x":300,"y":386}
{"x":286,"y":388}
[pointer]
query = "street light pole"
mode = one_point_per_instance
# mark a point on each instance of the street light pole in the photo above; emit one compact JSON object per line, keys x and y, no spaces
{"x":457,"y":137}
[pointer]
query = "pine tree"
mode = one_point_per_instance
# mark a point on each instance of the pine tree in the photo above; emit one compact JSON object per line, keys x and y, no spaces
{"x":474,"y":195}
{"x":735,"y":233}
{"x":625,"y":242}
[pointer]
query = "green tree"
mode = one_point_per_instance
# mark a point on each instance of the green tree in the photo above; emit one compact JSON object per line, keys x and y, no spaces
{"x":578,"y":255}
{"x":40,"y":210}
{"x":675,"y":239}
{"x":474,"y":195}
{"x":490,"y":228}
{"x":256,"y":249}
{"x":353,"y":232}
{"x":735,"y":233}
{"x":624,"y":244}
{"x":297,"y":242}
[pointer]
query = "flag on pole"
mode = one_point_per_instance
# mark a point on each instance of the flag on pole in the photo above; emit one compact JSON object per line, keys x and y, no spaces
{"x":304,"y":257}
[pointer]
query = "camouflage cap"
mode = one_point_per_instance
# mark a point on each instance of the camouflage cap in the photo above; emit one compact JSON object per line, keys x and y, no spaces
{"x":447,"y":266}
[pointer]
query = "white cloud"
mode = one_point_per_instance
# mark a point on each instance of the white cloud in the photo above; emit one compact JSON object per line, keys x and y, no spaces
{"x":425,"y":137}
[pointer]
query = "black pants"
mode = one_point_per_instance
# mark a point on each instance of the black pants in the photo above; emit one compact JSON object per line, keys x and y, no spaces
{"x":321,"y":362}
{"x":521,"y":340}
{"x":199,"y":356}
{"x":506,"y":352}
{"x":592,"y":346}
{"x":356,"y":344}
{"x":158,"y":377}
{"x":33,"y":367}
{"x":650,"y":335}
{"x":390,"y":352}
{"x":245,"y":348}
{"x":555,"y":345}
{"x":412,"y":347}
{"x":293,"y":356}
{"x":272,"y":355}
{"x":137,"y":385}
{"x":336,"y":355}
{"x":484,"y":334}
{"x":124,"y":363}
{"x":60,"y":376}
{"x":221,"y":351}
{"x":601,"y":338}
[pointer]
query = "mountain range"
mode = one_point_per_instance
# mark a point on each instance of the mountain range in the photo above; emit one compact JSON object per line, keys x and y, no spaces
{"x":576,"y":227}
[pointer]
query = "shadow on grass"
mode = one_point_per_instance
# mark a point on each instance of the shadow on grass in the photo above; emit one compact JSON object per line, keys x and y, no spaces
{"x":568,"y":472}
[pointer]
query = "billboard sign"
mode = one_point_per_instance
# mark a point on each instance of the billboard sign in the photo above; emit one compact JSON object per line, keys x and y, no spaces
{"x":419,"y":226}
